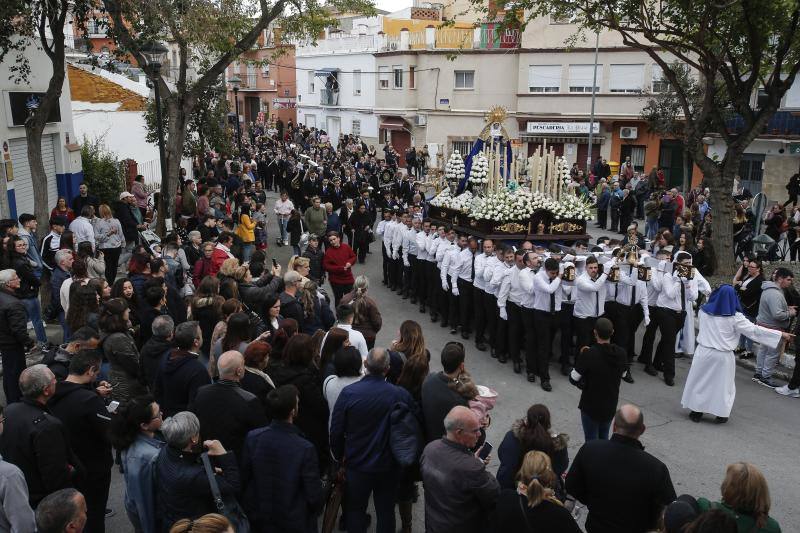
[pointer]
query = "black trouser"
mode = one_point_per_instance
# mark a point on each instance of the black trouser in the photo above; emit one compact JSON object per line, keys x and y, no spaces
{"x":584,"y":328}
{"x":515,"y":329}
{"x":479,"y":313}
{"x":444,"y":298}
{"x":795,"y":381}
{"x":624,"y":222}
{"x":602,"y":217}
{"x":408,"y":275}
{"x":614,"y":219}
{"x":567,"y":330}
{"x":361,"y":247}
{"x":13,"y":365}
{"x":500,"y":336}
{"x":671,"y":324}
{"x":545,"y":324}
{"x":349,"y":234}
{"x":434,"y":286}
{"x":452,"y":301}
{"x":94,"y":488}
{"x":397,"y":270}
{"x":111,"y":258}
{"x":465,"y":289}
{"x":492,"y":318}
{"x":625,"y":332}
{"x":646,"y":352}
{"x":387,"y":261}
{"x":339,"y":291}
{"x":420,"y":277}
{"x":531,"y":346}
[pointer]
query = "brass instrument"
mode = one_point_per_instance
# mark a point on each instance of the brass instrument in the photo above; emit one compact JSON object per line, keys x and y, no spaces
{"x":568,"y":274}
{"x":683,"y":271}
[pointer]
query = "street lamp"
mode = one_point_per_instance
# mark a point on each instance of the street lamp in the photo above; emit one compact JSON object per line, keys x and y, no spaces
{"x":155,"y":53}
{"x":235,"y":82}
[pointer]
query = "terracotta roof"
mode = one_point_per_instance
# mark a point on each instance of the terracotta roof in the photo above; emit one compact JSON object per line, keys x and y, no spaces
{"x":88,"y":87}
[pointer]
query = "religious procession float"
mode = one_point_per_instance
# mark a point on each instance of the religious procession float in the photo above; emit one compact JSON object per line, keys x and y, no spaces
{"x":495,"y":193}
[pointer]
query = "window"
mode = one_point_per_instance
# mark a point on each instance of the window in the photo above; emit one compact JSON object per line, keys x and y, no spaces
{"x":751,"y":167}
{"x":311,"y":121}
{"x":265,"y":70}
{"x":626,"y":79}
{"x":412,"y":78}
{"x":174,"y":59}
{"x":793,"y":95}
{"x":397,"y":72}
{"x":636,"y":153}
{"x":251,"y":75}
{"x":383,"y":77}
{"x":357,"y":83}
{"x":465,"y":79}
{"x":356,"y":129}
{"x":580,"y":78}
{"x":311,"y":81}
{"x":383,"y":136}
{"x":544,"y":78}
{"x":761,"y":98}
{"x":463,"y":147}
{"x":659,"y":84}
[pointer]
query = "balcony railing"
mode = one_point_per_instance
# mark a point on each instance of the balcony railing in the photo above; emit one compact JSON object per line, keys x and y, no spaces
{"x":782,"y":124}
{"x":328,"y":97}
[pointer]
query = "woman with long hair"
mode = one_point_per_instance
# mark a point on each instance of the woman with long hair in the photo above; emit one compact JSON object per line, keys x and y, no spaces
{"x":334,"y":340}
{"x":745,"y":496}
{"x":229,"y":307}
{"x":123,"y":288}
{"x":62,"y":210}
{"x":120,"y":351}
{"x":28,"y":291}
{"x":366,"y":315}
{"x":67,"y":241}
{"x":102,"y":287}
{"x":272,"y":304}
{"x":704,"y":259}
{"x":409,"y":344}
{"x":685,"y":244}
{"x":95,"y":266}
{"x":255,"y":379}
{"x":237,"y":337}
{"x":287,"y":329}
{"x":133,"y":432}
{"x":533,"y":500}
{"x":139,"y":272}
{"x":347,"y":370}
{"x":84,"y":305}
{"x":245,"y":229}
{"x":317,"y":316}
{"x":747,"y":282}
{"x":206,"y":308}
{"x":531,"y":433}
{"x":110,"y":240}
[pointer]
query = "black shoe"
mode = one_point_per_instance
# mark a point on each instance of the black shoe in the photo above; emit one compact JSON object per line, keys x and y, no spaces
{"x":565,"y":369}
{"x":721,"y":419}
{"x":531,"y":377}
{"x":434,"y":317}
{"x":493,"y":353}
{"x":453,"y":331}
{"x":695,"y":416}
{"x":465,"y":335}
{"x":627,"y":378}
{"x":641,"y":359}
{"x":503,"y":358}
{"x":649,"y":369}
{"x":680,"y":355}
{"x":110,"y":512}
{"x":421,"y":308}
{"x":546,"y":386}
{"x":481,"y":347}
{"x":669,"y":381}
{"x":413,"y":300}
{"x":517,"y":367}
{"x":405,"y":297}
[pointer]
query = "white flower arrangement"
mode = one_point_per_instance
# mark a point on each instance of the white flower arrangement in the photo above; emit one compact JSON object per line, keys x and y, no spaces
{"x":442,"y":199}
{"x":562,"y":169}
{"x":462,"y":202}
{"x":454,"y":169}
{"x":574,"y":207}
{"x":479,"y":173}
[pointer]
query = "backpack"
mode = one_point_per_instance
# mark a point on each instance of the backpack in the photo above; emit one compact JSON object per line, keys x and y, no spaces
{"x":405,"y":435}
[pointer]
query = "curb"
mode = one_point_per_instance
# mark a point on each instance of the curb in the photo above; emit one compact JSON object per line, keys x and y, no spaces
{"x":779,"y":372}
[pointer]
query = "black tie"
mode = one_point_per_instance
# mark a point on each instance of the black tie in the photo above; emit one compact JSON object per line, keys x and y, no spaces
{"x":683,"y":297}
{"x":552,"y":301}
{"x":633,"y":290}
{"x":472,"y":274}
{"x":597,"y":304}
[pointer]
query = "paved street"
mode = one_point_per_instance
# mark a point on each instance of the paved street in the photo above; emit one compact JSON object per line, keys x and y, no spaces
{"x":764,"y":427}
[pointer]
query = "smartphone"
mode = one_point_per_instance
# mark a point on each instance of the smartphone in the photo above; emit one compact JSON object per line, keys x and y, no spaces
{"x":486,"y":449}
{"x":274,"y":263}
{"x":112,"y":406}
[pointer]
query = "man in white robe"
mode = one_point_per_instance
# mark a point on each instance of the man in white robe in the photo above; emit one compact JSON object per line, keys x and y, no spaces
{"x":710,"y":386}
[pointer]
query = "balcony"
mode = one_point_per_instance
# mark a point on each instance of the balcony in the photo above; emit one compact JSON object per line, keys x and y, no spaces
{"x":782,"y":124}
{"x":328,"y":97}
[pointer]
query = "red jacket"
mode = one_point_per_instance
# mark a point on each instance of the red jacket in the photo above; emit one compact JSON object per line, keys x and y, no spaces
{"x":334,"y":261}
{"x":217,"y":258}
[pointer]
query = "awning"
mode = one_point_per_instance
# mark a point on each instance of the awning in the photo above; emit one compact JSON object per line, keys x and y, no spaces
{"x":325,"y":72}
{"x":527,"y":137}
{"x":393,"y":123}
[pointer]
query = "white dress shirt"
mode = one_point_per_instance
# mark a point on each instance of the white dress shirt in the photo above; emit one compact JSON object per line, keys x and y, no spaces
{"x":465,"y":257}
{"x":422,"y":249}
{"x":543,"y":287}
{"x":481,"y":260}
{"x":590,"y":296}
{"x":670,"y":295}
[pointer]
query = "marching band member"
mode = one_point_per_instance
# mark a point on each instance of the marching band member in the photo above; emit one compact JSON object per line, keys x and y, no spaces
{"x":529,"y":329}
{"x":685,"y":342}
{"x":465,"y":285}
{"x":420,"y":277}
{"x":443,"y":250}
{"x":402,"y":224}
{"x":590,"y":296}
{"x":653,"y":290}
{"x":452,"y":260}
{"x":547,"y":306}
{"x":566,"y":318}
{"x":409,"y":254}
{"x":631,"y":303}
{"x":432,"y":242}
{"x":509,"y":300}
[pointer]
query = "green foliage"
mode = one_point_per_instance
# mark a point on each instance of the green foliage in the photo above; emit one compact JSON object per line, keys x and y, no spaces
{"x":102,"y":171}
{"x":663,"y":110}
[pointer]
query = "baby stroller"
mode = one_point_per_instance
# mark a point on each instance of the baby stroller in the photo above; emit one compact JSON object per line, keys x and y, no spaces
{"x":151,"y":241}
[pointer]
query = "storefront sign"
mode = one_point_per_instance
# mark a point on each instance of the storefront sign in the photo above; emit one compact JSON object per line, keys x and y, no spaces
{"x":561,"y":128}
{"x":283,"y":103}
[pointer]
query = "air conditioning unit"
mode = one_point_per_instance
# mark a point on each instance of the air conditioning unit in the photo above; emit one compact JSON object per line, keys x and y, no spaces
{"x":421,"y":120}
{"x":358,"y":92}
{"x":628,"y":133}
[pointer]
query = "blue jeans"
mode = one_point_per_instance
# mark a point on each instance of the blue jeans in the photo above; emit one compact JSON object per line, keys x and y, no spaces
{"x":34,"y":310}
{"x":593,"y":430}
{"x":247,"y":252}
{"x":382,"y":486}
{"x":282,"y":223}
{"x":296,"y":249}
{"x":747,"y":342}
{"x":652,"y":228}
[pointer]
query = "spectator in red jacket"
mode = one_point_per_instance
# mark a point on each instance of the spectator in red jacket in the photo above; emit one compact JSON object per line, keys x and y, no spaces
{"x":222,"y":251}
{"x":338,"y":262}
{"x":203,"y":266}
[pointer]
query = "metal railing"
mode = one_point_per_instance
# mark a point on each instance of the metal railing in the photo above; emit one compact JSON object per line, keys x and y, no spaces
{"x":350,"y":43}
{"x":328,"y":97}
{"x":782,"y":123}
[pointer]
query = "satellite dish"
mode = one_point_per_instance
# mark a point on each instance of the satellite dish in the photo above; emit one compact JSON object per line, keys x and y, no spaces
{"x":759,"y":207}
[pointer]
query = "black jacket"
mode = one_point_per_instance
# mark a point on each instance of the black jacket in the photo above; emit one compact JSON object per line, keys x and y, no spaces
{"x":624,"y":487}
{"x":28,"y":282}
{"x":292,"y":308}
{"x":123,"y":212}
{"x":437,"y":400}
{"x":179,"y":377}
{"x":150,"y":357}
{"x":601,"y":368}
{"x":750,"y":296}
{"x":13,"y":320}
{"x":257,"y":385}
{"x":227,"y":412}
{"x":38,"y":443}
{"x":255,"y":294}
{"x":86,"y":419}
{"x":547,"y":517}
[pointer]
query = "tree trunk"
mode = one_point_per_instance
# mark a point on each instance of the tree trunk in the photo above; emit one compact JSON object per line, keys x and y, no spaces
{"x":33,"y":137}
{"x":173,"y":146}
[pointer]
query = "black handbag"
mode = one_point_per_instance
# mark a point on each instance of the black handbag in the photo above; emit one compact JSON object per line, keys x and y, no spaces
{"x":257,"y":325}
{"x":229,"y":509}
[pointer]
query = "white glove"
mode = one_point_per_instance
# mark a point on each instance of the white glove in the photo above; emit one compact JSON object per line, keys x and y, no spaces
{"x":503,"y":313}
{"x":406,"y":263}
{"x":646,"y":321}
{"x":445,"y":288}
{"x":455,"y":290}
{"x":395,"y":256}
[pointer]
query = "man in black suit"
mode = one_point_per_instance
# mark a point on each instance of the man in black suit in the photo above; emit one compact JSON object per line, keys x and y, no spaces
{"x":624,"y":487}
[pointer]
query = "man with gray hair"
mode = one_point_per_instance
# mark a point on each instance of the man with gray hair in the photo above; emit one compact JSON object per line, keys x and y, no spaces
{"x":226,"y":411}
{"x":180,"y":373}
{"x":35,"y":440}
{"x":360,"y":432}
{"x":156,"y":347}
{"x":14,"y":339}
{"x":290,"y":304}
{"x":62,"y":512}
{"x":459,"y":491}
{"x":63,"y":270}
